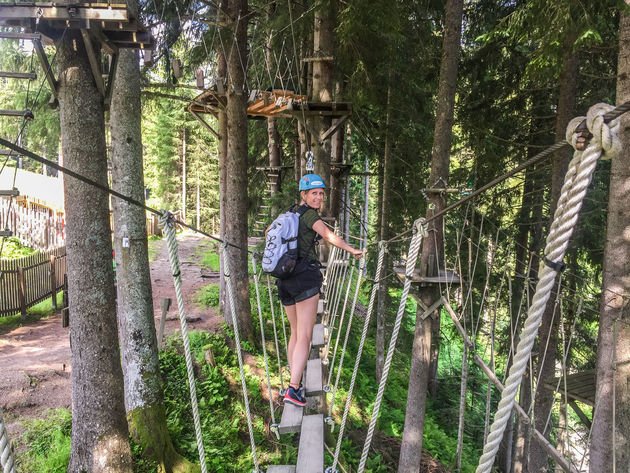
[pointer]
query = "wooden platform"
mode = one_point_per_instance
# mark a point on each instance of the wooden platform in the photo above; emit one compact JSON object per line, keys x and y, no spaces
{"x":291,"y":420}
{"x":580,"y":386}
{"x":313,"y":385}
{"x":311,"y":449}
{"x":108,"y":22}
{"x":283,"y":103}
{"x":443,"y":277}
{"x":319,"y":336}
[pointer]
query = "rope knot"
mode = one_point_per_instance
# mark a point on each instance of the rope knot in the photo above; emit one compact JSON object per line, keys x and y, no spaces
{"x":420,"y":225}
{"x":601,"y":134}
{"x":165,"y":218}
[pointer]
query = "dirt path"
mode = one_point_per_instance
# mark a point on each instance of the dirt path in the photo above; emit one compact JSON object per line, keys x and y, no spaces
{"x":35,"y":359}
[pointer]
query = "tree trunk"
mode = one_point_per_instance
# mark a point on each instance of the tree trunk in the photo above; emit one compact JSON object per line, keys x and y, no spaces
{"x":236,"y":166}
{"x":323,"y":46}
{"x":411,"y":447}
{"x":548,"y":332}
{"x":184,"y":190}
{"x":273,"y":137}
{"x":337,"y":175}
{"x":385,"y":199}
{"x":100,"y":438}
{"x":611,"y":433}
{"x":144,"y":402}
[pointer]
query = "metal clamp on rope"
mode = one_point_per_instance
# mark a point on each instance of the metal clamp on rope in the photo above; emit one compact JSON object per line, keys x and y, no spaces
{"x":331,"y":422}
{"x":420,"y":225}
{"x":325,"y":362}
{"x":330,"y":470}
{"x":327,"y":388}
{"x":275,"y":428}
{"x":557,"y":266}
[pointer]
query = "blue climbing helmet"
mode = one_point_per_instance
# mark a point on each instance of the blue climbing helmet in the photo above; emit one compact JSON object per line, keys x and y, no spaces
{"x":311,"y":181}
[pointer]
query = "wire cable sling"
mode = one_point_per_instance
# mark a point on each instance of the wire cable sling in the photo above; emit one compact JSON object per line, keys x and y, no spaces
{"x":166,"y":222}
{"x":574,"y":189}
{"x":419,"y":232}
{"x":275,"y":332}
{"x":366,"y":326}
{"x":345,"y":341}
{"x":264,"y":346}
{"x":237,"y":339}
{"x":6,"y":455}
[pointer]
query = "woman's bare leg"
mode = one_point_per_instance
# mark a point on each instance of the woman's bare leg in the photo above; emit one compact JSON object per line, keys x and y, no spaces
{"x":306,"y":312}
{"x":292,"y":316}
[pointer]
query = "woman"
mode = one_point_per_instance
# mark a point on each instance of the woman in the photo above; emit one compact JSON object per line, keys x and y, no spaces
{"x":300,"y":292}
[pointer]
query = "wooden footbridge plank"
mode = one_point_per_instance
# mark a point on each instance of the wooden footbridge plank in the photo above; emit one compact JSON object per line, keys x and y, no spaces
{"x":319,"y":336}
{"x":291,"y":420}
{"x":311,"y":449}
{"x":313,"y":385}
{"x":281,"y":469}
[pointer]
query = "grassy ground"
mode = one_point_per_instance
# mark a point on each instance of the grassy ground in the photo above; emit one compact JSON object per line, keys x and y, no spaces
{"x":40,"y":311}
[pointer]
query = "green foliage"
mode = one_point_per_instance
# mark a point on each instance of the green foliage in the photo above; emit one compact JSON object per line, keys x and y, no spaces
{"x":48,"y":441}
{"x":13,"y":249}
{"x":208,"y":296}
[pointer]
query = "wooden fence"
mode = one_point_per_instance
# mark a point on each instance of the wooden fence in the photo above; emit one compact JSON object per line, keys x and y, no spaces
{"x":27,"y":281}
{"x":33,"y":223}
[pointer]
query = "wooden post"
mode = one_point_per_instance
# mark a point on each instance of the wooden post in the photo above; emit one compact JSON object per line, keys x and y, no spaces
{"x":53,"y":282}
{"x":65,"y":312}
{"x":22,"y":291}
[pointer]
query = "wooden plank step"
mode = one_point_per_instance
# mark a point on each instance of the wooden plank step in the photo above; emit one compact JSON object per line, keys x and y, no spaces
{"x":313,"y":385}
{"x":320,"y":306}
{"x":311,"y":450}
{"x":281,"y":469}
{"x":319,"y":336}
{"x":12,"y":113}
{"x":9,"y":192}
{"x":291,"y":421}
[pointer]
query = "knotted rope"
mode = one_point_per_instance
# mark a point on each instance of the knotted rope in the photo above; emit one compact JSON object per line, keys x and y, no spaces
{"x":6,"y":455}
{"x":419,"y":232}
{"x":574,"y":189}
{"x":239,"y":353}
{"x":166,"y":222}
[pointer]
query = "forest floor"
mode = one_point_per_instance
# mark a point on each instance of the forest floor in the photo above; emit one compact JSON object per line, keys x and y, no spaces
{"x":35,"y":362}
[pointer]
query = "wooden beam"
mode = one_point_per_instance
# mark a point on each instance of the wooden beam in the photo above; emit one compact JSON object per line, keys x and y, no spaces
{"x":43,"y":60}
{"x":540,"y":438}
{"x":315,"y":59}
{"x":14,"y":35}
{"x":60,"y":11}
{"x":335,"y":126}
{"x":12,"y":113}
{"x":580,"y":413}
{"x":18,"y":75}
{"x":8,"y":152}
{"x":204,"y":123}
{"x":95,"y":63}
{"x":9,"y":192}
{"x":113,"y":65}
{"x":108,"y":46}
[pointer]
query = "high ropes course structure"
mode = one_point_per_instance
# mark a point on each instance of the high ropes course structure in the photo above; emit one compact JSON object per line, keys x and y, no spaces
{"x":593,"y":137}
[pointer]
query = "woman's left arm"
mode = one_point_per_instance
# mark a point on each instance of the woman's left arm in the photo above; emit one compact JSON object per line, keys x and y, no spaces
{"x":330,"y":236}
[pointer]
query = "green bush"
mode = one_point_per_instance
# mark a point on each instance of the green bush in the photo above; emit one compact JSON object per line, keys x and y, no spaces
{"x":208,"y":296}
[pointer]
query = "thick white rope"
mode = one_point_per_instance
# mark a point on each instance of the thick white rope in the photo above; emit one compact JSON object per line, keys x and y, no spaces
{"x":420,"y":232}
{"x":171,"y":242}
{"x":357,"y":360}
{"x":343,"y":315}
{"x":6,"y":455}
{"x":275,"y":332}
{"x":239,"y":353}
{"x":264,"y":345}
{"x":576,"y":183}
{"x":345,"y":341}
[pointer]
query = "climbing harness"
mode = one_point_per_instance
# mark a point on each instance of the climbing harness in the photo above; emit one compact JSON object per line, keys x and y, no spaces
{"x":574,"y":189}
{"x":166,"y":222}
{"x":237,"y":340}
{"x":419,"y":232}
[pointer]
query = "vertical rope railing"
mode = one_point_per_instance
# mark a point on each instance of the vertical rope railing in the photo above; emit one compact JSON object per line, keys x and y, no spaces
{"x":341,"y":319}
{"x":166,"y":222}
{"x":273,"y":427}
{"x":419,"y":232}
{"x":237,"y":339}
{"x":275,"y":333}
{"x":357,"y":360}
{"x":574,"y":189}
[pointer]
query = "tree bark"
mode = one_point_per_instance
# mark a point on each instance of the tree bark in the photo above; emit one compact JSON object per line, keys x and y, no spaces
{"x":323,"y":45}
{"x":411,"y":447}
{"x":100,"y":438}
{"x":144,"y":403}
{"x":548,"y":333}
{"x":236,"y":166}
{"x":610,"y":443}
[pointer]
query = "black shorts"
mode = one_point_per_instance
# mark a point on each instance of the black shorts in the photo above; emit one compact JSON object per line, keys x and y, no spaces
{"x":304,"y":283}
